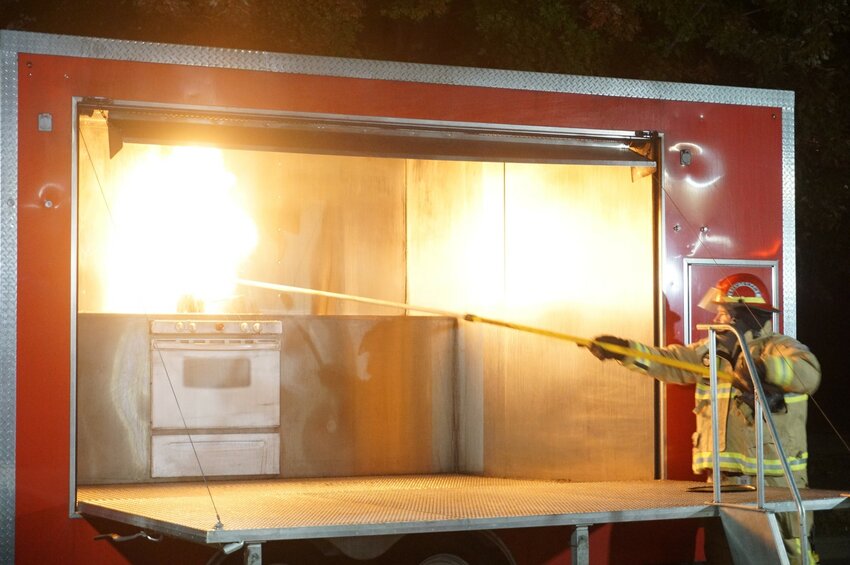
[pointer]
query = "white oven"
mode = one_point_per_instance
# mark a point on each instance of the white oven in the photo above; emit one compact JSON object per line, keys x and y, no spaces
{"x":215,"y":397}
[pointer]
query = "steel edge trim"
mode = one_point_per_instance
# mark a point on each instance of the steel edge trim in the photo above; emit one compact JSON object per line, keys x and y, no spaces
{"x":166,"y":528}
{"x":127,"y":50}
{"x":8,"y":292}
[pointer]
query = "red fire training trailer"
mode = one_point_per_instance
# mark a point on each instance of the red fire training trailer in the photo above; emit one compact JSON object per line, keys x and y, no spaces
{"x":246,"y":303}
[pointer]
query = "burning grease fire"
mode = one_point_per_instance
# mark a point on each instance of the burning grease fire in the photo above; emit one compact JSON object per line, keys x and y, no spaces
{"x":177,"y":235}
{"x":165,"y":229}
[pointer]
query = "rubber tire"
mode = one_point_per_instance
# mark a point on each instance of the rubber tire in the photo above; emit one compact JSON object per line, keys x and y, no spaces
{"x":449,"y":548}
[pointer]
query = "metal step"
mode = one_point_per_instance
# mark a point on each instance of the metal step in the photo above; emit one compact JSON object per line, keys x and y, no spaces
{"x":753,"y":535}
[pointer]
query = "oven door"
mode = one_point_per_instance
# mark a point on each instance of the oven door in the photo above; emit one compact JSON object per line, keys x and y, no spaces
{"x":215,"y":383}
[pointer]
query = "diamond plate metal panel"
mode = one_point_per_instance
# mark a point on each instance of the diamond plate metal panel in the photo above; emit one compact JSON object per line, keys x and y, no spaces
{"x":789,"y":238}
{"x":8,"y":294}
{"x":386,"y":70}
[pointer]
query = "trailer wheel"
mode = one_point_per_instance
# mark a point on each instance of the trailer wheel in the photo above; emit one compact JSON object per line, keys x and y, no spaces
{"x":450,"y":548}
{"x":444,"y":559}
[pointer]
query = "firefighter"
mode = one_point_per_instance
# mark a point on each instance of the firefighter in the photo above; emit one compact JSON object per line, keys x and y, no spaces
{"x":788,"y":371}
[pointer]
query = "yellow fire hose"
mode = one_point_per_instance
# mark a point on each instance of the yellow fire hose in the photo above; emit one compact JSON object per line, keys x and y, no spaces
{"x":581,"y":341}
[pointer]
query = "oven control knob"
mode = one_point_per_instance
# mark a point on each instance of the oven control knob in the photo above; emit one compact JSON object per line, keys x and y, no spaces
{"x":256,"y":327}
{"x":193,"y":327}
{"x":178,"y":326}
{"x":244,"y":327}
{"x":219,"y":327}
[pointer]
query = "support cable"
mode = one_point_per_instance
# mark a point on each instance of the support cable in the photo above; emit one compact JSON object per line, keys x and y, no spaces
{"x":218,"y":523}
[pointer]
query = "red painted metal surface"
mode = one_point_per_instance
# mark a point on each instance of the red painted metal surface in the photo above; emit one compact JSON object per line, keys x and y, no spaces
{"x":628,"y":542}
{"x":732,"y":188}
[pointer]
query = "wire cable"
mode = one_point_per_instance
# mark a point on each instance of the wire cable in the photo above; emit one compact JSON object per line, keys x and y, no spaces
{"x":218,"y":524}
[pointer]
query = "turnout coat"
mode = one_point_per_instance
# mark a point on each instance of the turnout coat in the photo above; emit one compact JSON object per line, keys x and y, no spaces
{"x":788,"y":364}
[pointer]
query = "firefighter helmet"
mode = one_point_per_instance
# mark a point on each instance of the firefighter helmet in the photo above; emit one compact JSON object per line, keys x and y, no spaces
{"x":741,"y":289}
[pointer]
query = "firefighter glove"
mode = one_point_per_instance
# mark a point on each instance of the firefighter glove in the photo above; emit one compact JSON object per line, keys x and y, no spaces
{"x":601,"y":353}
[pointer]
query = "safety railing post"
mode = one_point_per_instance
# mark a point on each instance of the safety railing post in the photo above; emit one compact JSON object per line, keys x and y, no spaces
{"x":715,"y":426}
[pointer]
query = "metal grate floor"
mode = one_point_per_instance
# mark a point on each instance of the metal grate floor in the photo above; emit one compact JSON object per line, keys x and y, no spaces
{"x":258,"y":510}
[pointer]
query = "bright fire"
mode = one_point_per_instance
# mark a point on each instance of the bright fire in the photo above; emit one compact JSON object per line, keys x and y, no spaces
{"x":178,"y":233}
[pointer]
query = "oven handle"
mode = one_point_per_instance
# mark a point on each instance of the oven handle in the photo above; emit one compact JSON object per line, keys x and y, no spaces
{"x":215,"y":345}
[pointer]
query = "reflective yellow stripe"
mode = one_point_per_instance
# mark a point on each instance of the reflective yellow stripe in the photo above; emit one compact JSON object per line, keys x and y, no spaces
{"x":703,"y":391}
{"x":740,"y":463}
{"x":739,"y":299}
{"x":795,"y":552}
{"x":780,"y":371}
{"x":642,"y":360}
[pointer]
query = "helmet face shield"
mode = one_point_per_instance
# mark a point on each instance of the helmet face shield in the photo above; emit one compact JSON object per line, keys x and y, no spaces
{"x":740,"y":289}
{"x":710,"y":300}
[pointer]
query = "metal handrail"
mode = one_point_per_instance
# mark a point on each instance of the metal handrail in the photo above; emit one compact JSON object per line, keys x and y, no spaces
{"x":760,"y":415}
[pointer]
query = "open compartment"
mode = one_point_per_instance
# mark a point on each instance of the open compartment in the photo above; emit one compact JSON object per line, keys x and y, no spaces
{"x":186,"y":217}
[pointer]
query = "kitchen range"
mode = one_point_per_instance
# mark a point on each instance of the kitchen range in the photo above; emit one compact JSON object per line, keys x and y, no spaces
{"x":215,"y":400}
